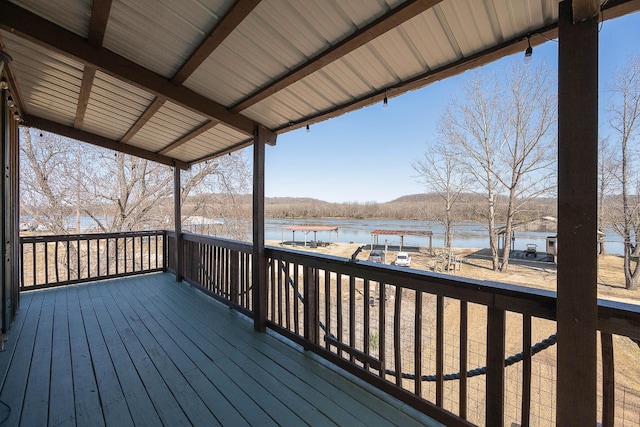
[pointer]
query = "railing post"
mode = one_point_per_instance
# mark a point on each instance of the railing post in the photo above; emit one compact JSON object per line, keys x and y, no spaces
{"x":235,"y":277}
{"x":177,"y":213}
{"x":310,"y":306}
{"x":496,"y":326}
{"x":259,"y":260}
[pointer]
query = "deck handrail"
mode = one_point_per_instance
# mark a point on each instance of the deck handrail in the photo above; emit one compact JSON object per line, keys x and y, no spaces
{"x":614,"y":318}
{"x":366,"y":339}
{"x":58,"y":260}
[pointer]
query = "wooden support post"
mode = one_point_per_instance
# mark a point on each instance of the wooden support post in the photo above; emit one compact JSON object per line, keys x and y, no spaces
{"x":177,"y":214}
{"x":5,"y":214}
{"x":310,"y":305}
{"x":259,"y":261}
{"x":577,"y":218}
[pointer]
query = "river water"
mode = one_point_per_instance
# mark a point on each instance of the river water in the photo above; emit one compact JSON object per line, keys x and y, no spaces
{"x":466,"y":234}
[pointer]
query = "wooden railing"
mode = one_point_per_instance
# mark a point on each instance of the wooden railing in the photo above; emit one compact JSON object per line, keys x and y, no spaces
{"x":57,"y":260}
{"x":219,"y":267}
{"x":436,"y":341}
{"x":461,"y":350}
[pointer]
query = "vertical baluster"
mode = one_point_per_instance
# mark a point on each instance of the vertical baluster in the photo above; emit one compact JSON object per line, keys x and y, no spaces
{"x":495,"y":367}
{"x":35,"y":279}
{"x":272,"y":295}
{"x":352,"y":315}
{"x":296,"y":309}
{"x":417,"y":351}
{"x":339,"y":320}
{"x":133,"y":252}
{"x":88,"y":258}
{"x":464,"y":307}
{"x":55,"y":256}
{"x":382,"y":293}
{"x":526,"y":370}
{"x":117,"y":255}
{"x":327,"y":307}
{"x":608,"y":380}
{"x":22,"y":284}
{"x":397,"y":343}
{"x":124,"y":251}
{"x":281,"y":290}
{"x":439,"y":350}
{"x":366,"y":322}
{"x":98,"y":255}
{"x":46,"y":263}
{"x":68,"y":260}
{"x":288,"y":293}
{"x":106,"y":261}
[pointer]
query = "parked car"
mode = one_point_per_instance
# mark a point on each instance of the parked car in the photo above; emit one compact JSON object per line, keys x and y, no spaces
{"x":403,"y":259}
{"x":377,"y":256}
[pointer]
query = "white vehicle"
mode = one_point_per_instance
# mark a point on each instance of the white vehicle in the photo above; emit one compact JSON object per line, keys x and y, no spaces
{"x":403,"y":259}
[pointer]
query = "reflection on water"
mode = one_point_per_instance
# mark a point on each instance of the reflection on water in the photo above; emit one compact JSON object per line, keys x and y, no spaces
{"x":466,"y":234}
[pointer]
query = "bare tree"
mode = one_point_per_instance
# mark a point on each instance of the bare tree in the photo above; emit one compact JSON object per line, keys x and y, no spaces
{"x":118,"y":192}
{"x":624,"y":118}
{"x":503,"y":131}
{"x":442,"y":173}
{"x":528,"y":154}
{"x":607,"y":171}
{"x":47,"y":181}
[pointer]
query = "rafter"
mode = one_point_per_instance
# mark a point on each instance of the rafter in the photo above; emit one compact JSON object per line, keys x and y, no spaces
{"x":611,"y":10}
{"x":100,"y":141}
{"x":100,"y":11}
{"x":387,"y":22}
{"x":88,"y":76}
{"x":143,"y":119}
{"x":225,"y":26}
{"x":31,"y":27}
{"x":194,"y":133}
{"x":222,"y":29}
{"x":97,"y":27}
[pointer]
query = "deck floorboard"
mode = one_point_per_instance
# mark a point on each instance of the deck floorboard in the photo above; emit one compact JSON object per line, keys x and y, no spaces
{"x":147,"y":351}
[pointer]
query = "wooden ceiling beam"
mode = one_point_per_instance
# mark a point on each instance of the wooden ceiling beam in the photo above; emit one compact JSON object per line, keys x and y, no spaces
{"x":385,"y":23}
{"x":88,"y":76}
{"x":31,"y":27}
{"x":97,"y":27}
{"x":100,"y":11}
{"x":225,"y":26}
{"x":100,"y":141}
{"x":194,"y":133}
{"x":143,"y":119}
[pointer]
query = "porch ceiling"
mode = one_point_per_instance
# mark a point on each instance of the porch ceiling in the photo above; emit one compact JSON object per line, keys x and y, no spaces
{"x":189,"y":80}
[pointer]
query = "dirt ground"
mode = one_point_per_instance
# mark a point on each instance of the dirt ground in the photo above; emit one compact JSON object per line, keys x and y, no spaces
{"x":476,"y":264}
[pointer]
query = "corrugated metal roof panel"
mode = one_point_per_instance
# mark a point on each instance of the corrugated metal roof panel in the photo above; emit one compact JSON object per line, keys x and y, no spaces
{"x":276,"y":38}
{"x":217,"y":139}
{"x":49,"y":83}
{"x":161,"y":35}
{"x":114,"y":106}
{"x":73,"y":15}
{"x":168,"y":125}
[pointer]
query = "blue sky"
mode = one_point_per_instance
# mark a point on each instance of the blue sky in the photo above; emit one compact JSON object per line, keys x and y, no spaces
{"x":367,"y":155}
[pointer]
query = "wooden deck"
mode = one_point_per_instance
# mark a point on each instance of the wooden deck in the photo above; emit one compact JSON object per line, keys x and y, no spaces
{"x":149,"y":351}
